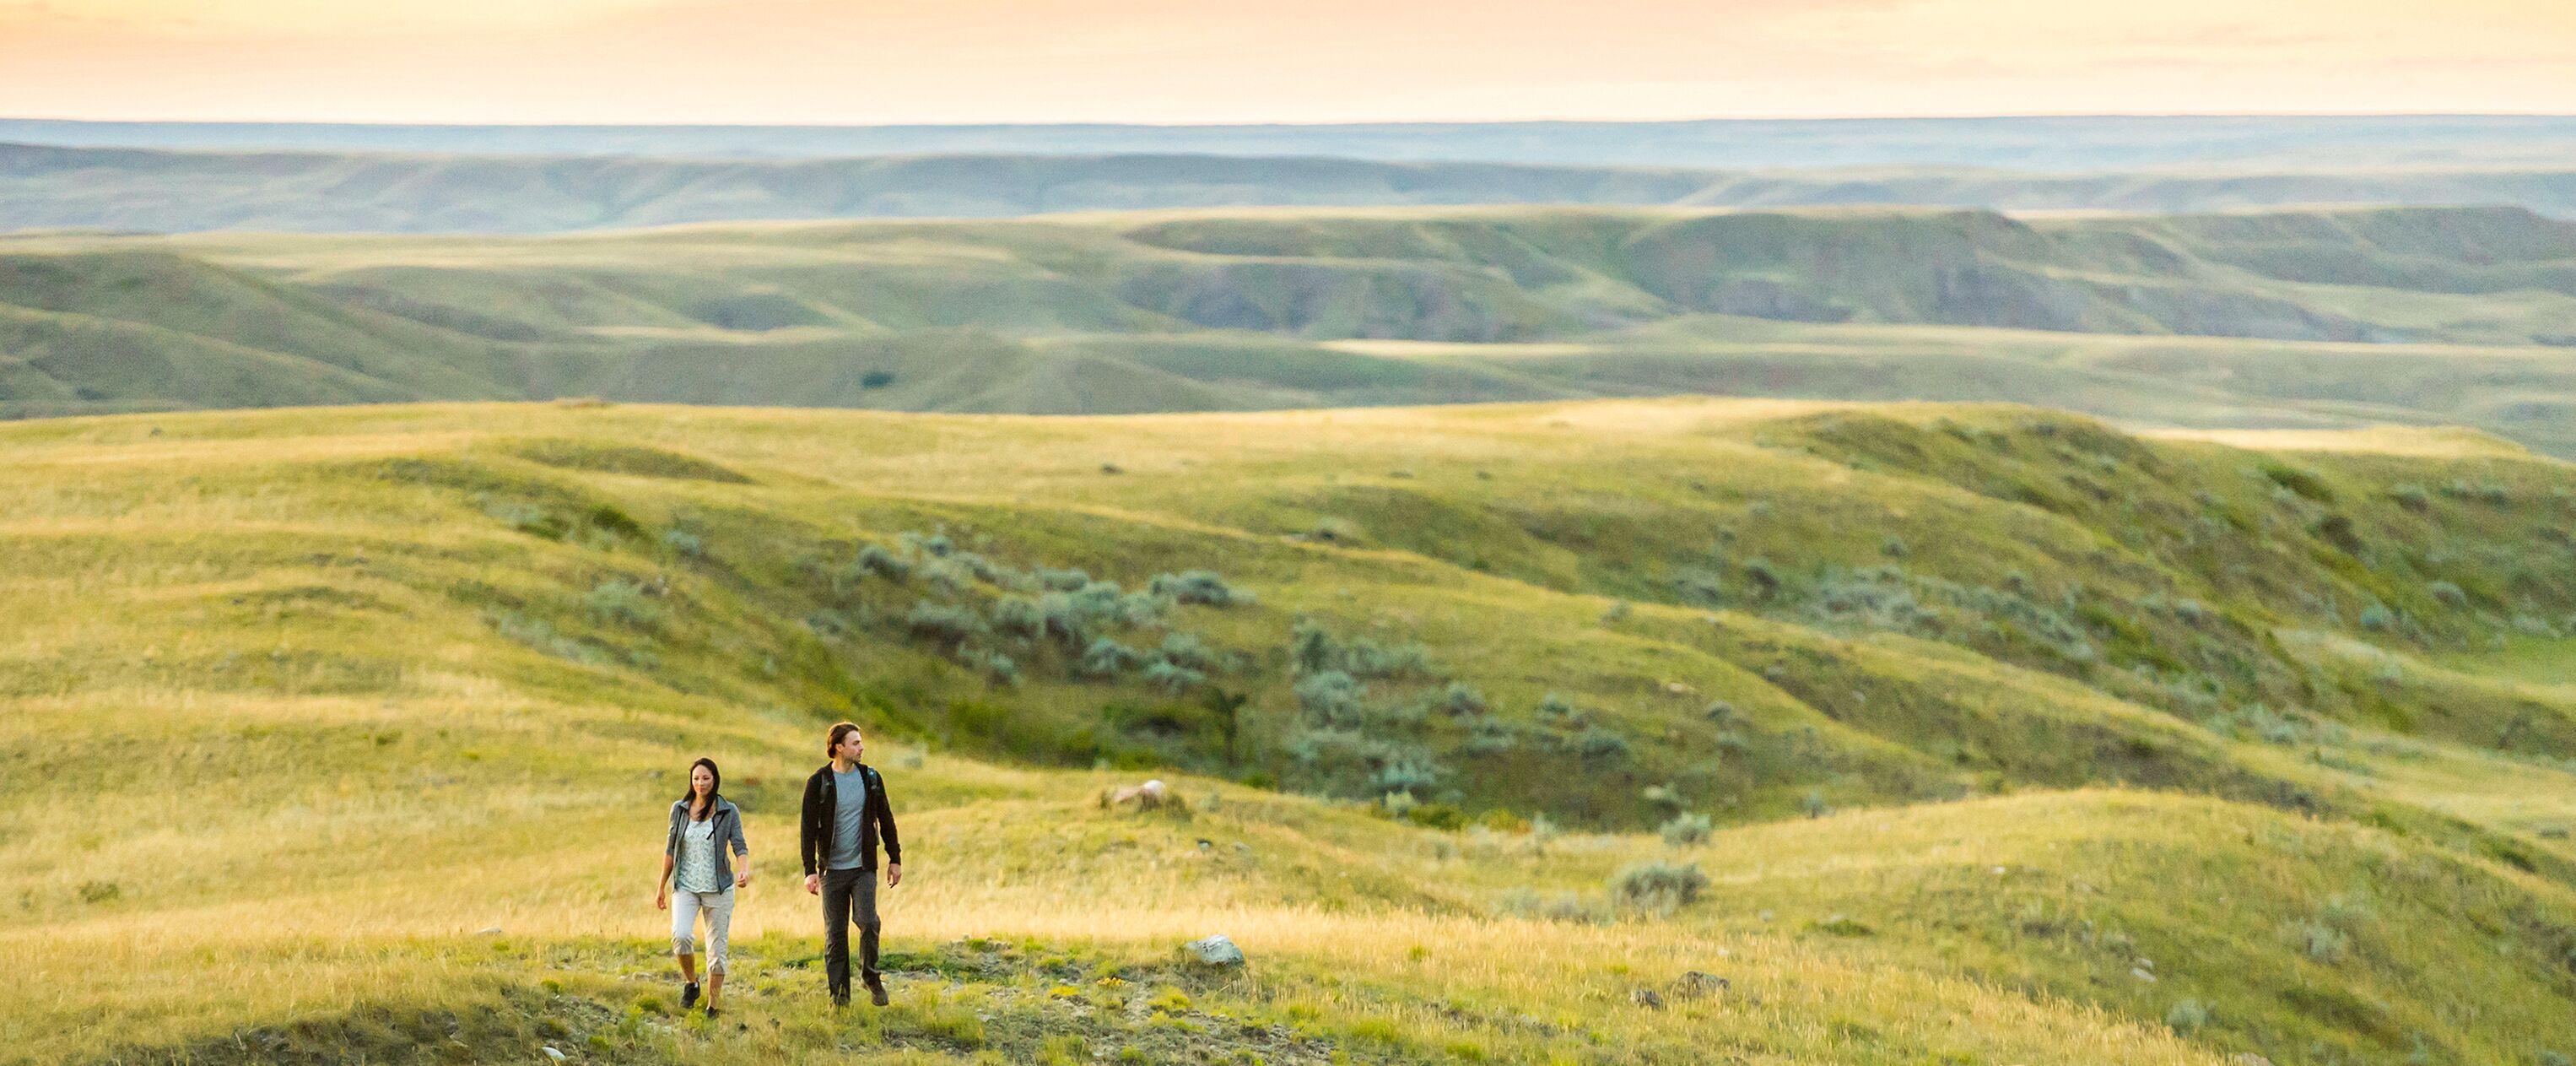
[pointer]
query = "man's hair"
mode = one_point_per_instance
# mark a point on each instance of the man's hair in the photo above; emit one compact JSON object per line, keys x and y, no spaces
{"x":839,"y":730}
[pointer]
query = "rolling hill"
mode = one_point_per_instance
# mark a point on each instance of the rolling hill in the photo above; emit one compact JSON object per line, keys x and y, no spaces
{"x":2017,"y":738}
{"x":2306,"y":318}
{"x":185,"y":191}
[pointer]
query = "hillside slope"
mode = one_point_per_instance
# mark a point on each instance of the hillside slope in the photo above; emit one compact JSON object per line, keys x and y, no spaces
{"x":2323,"y":318}
{"x":2023,"y":740}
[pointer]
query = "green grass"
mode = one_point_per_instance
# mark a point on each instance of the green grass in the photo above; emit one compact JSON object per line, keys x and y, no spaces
{"x":307,"y":698}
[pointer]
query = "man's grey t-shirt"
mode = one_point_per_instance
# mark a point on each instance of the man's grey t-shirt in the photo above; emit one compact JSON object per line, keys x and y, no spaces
{"x":850,"y":807}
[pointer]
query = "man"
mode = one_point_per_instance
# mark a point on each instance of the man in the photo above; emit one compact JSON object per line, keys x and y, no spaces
{"x":845,"y":815}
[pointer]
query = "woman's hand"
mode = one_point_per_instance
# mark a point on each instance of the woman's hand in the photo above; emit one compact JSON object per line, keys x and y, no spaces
{"x":742,"y":879}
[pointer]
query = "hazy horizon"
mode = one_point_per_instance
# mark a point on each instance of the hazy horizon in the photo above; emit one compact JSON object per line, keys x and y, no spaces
{"x":801,"y":62}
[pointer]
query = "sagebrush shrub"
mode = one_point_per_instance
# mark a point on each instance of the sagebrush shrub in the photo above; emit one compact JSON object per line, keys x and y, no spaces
{"x":874,"y":559}
{"x":1554,"y":710}
{"x":1187,"y":651}
{"x":991,"y":664}
{"x":2187,"y":1017}
{"x":943,"y":623}
{"x":1658,"y":887}
{"x":1108,"y":658}
{"x":1765,"y":577}
{"x":1363,"y":657}
{"x":1138,"y":609}
{"x":1331,"y":699}
{"x":1019,"y":616}
{"x":1699,"y":586}
{"x":1687,"y":829}
{"x":1602,"y":745}
{"x":1198,"y":586}
{"x":2324,"y":943}
{"x":2376,"y":617}
{"x":1060,"y":580}
{"x":684,"y":544}
{"x":1173,"y":677}
{"x":1410,"y":770}
{"x":986,"y":570}
{"x":1490,"y":736}
{"x":623,"y":602}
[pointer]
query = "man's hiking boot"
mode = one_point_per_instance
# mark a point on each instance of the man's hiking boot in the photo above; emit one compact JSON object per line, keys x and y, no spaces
{"x":876,"y":990}
{"x":688,"y":995}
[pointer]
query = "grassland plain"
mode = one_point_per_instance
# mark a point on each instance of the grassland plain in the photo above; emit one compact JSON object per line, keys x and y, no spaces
{"x":2316,"y":318}
{"x":1993,"y":734}
{"x":48,"y":187}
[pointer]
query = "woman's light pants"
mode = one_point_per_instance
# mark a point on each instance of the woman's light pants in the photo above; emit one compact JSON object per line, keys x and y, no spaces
{"x":718,"y":906}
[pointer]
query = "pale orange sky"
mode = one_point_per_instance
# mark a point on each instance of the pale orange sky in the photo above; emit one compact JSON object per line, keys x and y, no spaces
{"x":871,"y":61}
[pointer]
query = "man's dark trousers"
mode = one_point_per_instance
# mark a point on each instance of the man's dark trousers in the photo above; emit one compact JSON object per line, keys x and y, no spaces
{"x":849,"y":895}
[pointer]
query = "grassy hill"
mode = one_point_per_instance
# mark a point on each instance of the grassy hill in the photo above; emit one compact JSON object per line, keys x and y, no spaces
{"x":45,"y":187}
{"x":2310,"y":318}
{"x":2018,"y":739}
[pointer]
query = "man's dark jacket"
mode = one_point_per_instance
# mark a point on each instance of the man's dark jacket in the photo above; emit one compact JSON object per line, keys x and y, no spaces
{"x":822,"y":801}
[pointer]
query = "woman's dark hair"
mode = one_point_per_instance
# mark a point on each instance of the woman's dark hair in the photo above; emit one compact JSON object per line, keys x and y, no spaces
{"x":839,"y":730}
{"x":715,"y":786}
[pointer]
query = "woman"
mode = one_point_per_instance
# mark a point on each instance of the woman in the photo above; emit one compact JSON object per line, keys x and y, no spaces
{"x":703,"y":825}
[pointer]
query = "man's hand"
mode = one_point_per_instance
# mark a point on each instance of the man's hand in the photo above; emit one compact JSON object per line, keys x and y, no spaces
{"x":894,"y":874}
{"x":661,"y":899}
{"x":813,"y":884}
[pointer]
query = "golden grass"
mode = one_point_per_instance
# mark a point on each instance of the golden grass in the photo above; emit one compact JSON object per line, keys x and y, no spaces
{"x":2444,"y":442}
{"x":332,"y":840}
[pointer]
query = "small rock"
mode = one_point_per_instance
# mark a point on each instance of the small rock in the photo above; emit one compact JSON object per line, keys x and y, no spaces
{"x":2145,"y":963}
{"x":1147,"y":796}
{"x":1767,"y":916}
{"x":1646,"y":997}
{"x":1696,"y":984}
{"x":489,"y":930}
{"x":1215,"y":951}
{"x":551,"y":1053}
{"x":2142,"y":975}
